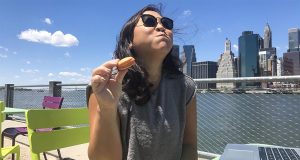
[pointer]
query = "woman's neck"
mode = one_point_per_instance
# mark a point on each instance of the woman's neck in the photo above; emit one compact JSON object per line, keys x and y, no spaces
{"x":154,"y":69}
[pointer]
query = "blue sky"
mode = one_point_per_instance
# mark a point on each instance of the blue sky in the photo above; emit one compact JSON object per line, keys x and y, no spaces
{"x":64,"y":40}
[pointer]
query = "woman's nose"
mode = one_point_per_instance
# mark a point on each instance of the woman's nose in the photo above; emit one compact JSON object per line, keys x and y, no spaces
{"x":160,"y":27}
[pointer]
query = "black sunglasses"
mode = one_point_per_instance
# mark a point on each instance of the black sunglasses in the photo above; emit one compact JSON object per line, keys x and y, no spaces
{"x":151,"y":21}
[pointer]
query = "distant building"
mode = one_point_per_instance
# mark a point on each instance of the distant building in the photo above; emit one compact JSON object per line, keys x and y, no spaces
{"x":205,"y":69}
{"x":267,"y":55}
{"x":291,"y":59}
{"x":190,"y":57}
{"x":279,"y":67}
{"x":226,"y":66}
{"x":249,"y":45}
{"x":294,"y":39}
{"x":263,"y":62}
{"x":268,"y":62}
{"x":291,"y":63}
{"x":267,"y":37}
{"x":183,"y":69}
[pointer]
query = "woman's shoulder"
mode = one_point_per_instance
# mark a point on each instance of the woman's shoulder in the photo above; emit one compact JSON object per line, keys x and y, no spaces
{"x":189,"y":81}
{"x":190,"y":87}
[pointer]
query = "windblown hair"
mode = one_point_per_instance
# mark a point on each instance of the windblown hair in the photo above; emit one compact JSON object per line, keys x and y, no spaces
{"x":135,"y":82}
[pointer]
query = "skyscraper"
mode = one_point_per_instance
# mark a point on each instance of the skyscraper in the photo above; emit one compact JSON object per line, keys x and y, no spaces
{"x":291,"y":59}
{"x":267,"y":37}
{"x":227,"y":68}
{"x":291,"y":63}
{"x":267,"y":55}
{"x":190,"y":57}
{"x":294,"y":39}
{"x":248,"y":55}
{"x":279,"y":67}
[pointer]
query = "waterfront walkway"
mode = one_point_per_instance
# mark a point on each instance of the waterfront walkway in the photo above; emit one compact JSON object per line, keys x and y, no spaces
{"x":78,"y":152}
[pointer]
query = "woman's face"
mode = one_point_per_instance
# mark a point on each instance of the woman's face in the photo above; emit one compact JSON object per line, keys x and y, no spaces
{"x":152,"y":41}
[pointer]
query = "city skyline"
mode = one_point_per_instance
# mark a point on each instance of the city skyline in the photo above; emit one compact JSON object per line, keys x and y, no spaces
{"x":63,"y":41}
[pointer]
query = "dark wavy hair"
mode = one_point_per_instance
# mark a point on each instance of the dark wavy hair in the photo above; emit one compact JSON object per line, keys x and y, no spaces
{"x":135,"y":83}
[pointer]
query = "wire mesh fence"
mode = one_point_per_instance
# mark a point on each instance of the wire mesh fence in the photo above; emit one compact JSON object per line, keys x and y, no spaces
{"x":247,"y":118}
{"x":268,"y":112}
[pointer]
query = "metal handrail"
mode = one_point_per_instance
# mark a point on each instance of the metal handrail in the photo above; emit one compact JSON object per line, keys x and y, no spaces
{"x":80,"y":84}
{"x":250,"y":79}
{"x":42,"y":85}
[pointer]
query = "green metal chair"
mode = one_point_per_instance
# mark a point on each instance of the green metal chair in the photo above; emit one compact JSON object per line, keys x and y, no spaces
{"x":73,"y":124}
{"x":5,"y":151}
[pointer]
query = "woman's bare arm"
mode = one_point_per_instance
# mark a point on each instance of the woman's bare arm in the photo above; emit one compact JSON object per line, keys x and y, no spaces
{"x":105,"y":141}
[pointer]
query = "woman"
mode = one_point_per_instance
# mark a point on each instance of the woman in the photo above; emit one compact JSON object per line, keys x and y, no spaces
{"x":147,"y":112}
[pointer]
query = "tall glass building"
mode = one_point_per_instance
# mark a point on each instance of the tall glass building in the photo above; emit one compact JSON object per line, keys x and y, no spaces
{"x":294,"y":39}
{"x":249,"y":45}
{"x":190,"y":57}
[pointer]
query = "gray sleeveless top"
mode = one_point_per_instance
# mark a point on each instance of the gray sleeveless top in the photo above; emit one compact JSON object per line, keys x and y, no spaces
{"x":154,"y":131}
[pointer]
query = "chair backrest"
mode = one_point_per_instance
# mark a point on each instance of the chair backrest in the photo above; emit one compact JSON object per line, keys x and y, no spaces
{"x":2,"y":114}
{"x":52,"y":102}
{"x":74,"y":123}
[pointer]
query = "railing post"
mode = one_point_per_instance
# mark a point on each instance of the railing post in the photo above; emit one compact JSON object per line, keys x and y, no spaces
{"x":9,"y":95}
{"x":54,"y":89}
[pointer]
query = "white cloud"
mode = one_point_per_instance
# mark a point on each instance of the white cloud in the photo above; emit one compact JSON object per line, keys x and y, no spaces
{"x":5,"y":49}
{"x":31,"y":71}
{"x":85,"y":69}
{"x":67,"y":54}
{"x":216,"y":30}
{"x":69,"y":74}
{"x":48,"y":20}
{"x":187,"y":12}
{"x":236,"y":47}
{"x":28,"y":62}
{"x":17,"y":76}
{"x":50,"y":74}
{"x":3,"y":55}
{"x":58,"y":38}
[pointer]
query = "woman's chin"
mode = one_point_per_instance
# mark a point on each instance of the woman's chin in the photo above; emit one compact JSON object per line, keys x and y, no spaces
{"x":163,"y":45}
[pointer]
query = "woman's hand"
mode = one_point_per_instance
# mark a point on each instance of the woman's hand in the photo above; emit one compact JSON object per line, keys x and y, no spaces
{"x":107,"y":87}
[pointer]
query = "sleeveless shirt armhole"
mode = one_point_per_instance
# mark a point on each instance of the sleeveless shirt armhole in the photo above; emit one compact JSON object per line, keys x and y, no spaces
{"x":88,"y":94}
{"x":190,"y":89}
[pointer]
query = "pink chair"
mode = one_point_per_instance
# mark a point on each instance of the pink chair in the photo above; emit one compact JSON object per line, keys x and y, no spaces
{"x":12,"y":132}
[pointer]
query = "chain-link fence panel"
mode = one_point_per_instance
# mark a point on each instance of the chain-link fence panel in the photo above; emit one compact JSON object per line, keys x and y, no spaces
{"x":247,"y":118}
{"x":74,"y":97}
{"x":29,"y":98}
